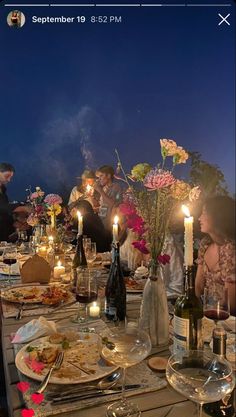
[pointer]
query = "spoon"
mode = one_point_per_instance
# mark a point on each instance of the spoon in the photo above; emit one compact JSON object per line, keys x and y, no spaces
{"x":105,"y":383}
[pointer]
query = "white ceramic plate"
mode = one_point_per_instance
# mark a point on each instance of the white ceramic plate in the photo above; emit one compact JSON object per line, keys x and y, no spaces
{"x":83,"y":351}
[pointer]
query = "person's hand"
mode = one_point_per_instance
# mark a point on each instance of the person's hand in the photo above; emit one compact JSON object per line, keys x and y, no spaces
{"x":97,"y":187}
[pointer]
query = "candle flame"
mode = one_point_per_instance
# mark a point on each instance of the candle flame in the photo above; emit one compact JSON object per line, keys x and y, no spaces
{"x":116,"y":220}
{"x":59,"y":263}
{"x":185,"y":210}
{"x":94,"y":304}
{"x":88,"y":187}
{"x":78,"y":214}
{"x":50,"y":238}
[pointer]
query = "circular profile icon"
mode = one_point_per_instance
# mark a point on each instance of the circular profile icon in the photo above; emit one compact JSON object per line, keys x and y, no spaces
{"x":16,"y":19}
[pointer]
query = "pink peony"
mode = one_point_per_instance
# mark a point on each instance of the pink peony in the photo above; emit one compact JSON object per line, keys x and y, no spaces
{"x":158,"y":178}
{"x":141,"y":246}
{"x":52,"y":199}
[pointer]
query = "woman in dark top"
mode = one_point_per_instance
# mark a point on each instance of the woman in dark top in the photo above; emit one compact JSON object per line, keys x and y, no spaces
{"x":6,"y":218}
{"x":93,"y":227}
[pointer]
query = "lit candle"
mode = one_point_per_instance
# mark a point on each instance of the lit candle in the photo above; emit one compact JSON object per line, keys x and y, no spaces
{"x":50,"y":240}
{"x":115,"y":229}
{"x":89,"y":188}
{"x":80,"y":223}
{"x":188,"y":237}
{"x":53,"y":221}
{"x":94,"y":310}
{"x":58,"y":270}
{"x":42,"y":251}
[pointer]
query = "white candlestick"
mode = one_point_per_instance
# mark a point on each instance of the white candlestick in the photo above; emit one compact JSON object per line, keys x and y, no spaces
{"x":94,"y":310}
{"x":80,"y":223}
{"x":115,"y":229}
{"x":58,"y":270}
{"x":188,"y":241}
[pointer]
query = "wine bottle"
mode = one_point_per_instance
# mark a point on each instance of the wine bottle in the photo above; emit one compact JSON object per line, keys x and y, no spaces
{"x":188,"y":314}
{"x":115,"y":292}
{"x":223,"y":408}
{"x":79,"y":258}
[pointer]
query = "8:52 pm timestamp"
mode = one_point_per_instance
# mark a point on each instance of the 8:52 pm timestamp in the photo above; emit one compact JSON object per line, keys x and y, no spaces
{"x":106,"y":19}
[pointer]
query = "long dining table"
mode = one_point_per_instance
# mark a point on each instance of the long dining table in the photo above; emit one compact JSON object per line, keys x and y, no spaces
{"x":161,"y":403}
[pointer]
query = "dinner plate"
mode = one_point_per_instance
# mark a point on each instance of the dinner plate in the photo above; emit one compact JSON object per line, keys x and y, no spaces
{"x":82,"y":352}
{"x":135,"y":286}
{"x":32,"y":294}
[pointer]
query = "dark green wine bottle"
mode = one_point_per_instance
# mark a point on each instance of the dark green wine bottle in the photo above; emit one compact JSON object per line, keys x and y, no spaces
{"x":115,"y":292}
{"x":79,"y":258}
{"x":188,"y":315}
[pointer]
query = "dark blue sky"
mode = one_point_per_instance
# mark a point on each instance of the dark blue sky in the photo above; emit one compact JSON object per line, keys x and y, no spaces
{"x":71,"y":92}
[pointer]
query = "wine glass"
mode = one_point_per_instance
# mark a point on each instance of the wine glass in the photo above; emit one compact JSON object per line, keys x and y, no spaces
{"x":201,"y":376}
{"x":85,"y":292}
{"x":216,"y":303}
{"x":124,"y":346}
{"x":91,"y":253}
{"x":9,"y":258}
{"x":86,"y":243}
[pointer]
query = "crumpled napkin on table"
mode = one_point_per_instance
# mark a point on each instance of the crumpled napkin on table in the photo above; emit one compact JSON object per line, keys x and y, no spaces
{"x":34,"y":329}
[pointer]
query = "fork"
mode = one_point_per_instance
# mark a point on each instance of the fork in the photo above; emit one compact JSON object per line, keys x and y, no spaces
{"x":56,"y":365}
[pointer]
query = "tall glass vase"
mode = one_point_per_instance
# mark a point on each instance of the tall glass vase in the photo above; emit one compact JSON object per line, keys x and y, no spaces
{"x":154,"y":316}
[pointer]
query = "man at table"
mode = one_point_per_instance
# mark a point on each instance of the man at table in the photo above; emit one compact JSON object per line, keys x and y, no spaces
{"x":110,"y":193}
{"x":6,"y":219}
{"x":85,"y":191}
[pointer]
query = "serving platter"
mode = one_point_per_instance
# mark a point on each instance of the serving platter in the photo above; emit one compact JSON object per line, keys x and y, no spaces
{"x":82,"y":361}
{"x":42,"y":294}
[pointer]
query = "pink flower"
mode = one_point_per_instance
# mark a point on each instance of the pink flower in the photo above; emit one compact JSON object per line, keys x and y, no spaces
{"x":163,"y":259}
{"x":52,"y":199}
{"x":158,"y":178}
{"x":127,"y":208}
{"x":37,"y":398}
{"x":23,"y":386}
{"x":141,"y":246}
{"x":136,"y":223}
{"x":27,"y":412}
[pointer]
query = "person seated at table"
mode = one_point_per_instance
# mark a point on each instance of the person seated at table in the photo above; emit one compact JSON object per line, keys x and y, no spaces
{"x":216,"y":258}
{"x":93,"y":226}
{"x":85,"y":191}
{"x":110,"y":194}
{"x":6,"y":219}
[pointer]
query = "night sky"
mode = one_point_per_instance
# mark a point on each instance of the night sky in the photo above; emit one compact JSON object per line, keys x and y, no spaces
{"x":72,"y":93}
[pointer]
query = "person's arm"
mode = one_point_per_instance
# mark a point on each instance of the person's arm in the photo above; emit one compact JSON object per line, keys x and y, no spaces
{"x":109,"y":201}
{"x":199,"y":282}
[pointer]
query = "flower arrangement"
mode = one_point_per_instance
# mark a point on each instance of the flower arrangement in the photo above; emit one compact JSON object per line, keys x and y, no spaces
{"x":42,"y":207}
{"x":151,"y":197}
{"x":38,"y":213}
{"x":53,"y":204}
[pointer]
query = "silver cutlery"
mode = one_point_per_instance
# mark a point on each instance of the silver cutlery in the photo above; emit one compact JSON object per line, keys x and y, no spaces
{"x":56,"y":365}
{"x":20,"y":311}
{"x":92,"y":394}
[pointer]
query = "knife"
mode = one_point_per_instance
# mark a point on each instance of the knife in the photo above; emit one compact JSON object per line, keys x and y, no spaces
{"x":82,"y":395}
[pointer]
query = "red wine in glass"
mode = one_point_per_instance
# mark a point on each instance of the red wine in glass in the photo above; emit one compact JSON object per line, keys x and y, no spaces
{"x":9,"y":261}
{"x":86,"y":297}
{"x":214,"y":314}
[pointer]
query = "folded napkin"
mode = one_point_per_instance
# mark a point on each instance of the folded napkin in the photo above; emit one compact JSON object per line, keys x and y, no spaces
{"x":36,"y":269}
{"x":34,"y":329}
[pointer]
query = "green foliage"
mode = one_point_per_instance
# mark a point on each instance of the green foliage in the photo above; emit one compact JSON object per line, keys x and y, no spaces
{"x":208,"y":176}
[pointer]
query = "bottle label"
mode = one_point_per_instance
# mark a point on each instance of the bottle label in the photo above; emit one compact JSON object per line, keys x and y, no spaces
{"x":186,"y":338}
{"x":181,"y":334}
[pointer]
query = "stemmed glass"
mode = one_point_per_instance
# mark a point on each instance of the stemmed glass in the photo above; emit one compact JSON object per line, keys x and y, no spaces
{"x":91,"y":253}
{"x":216,"y":303}
{"x":9,"y":258}
{"x":124,"y":346}
{"x":86,"y":292}
{"x":201,"y":376}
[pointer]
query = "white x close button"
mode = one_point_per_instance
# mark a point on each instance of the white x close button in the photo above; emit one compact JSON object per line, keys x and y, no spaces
{"x":224,"y":19}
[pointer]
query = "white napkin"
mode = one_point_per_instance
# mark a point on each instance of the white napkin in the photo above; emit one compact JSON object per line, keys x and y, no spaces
{"x":34,"y":329}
